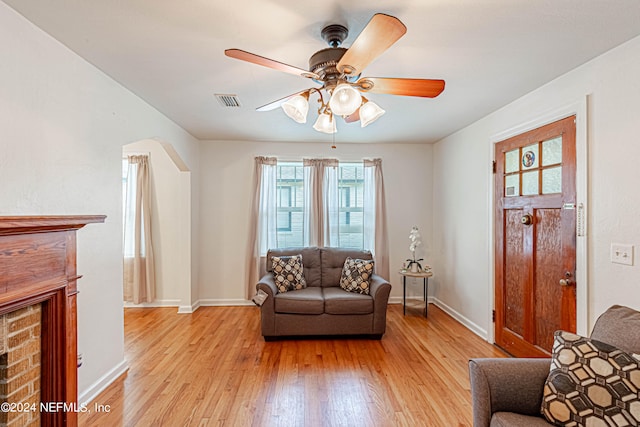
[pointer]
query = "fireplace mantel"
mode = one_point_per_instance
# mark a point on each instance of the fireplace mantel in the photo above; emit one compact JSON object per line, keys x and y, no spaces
{"x":38,"y":265}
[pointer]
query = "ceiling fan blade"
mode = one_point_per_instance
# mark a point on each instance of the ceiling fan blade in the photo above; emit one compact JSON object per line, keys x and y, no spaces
{"x":380,"y":33}
{"x":353,"y":117}
{"x":275,"y":104}
{"x":269,"y":63}
{"x":397,"y":86}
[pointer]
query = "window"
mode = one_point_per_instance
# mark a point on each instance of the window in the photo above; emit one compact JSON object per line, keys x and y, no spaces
{"x":351,"y":205}
{"x":128,"y":207}
{"x":290,"y":200}
{"x":289,"y":204}
{"x":317,"y":202}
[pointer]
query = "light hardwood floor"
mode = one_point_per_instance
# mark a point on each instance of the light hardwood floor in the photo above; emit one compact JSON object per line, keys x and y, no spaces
{"x":213,"y":367}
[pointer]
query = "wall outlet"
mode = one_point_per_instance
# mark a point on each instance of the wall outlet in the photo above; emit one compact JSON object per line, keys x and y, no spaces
{"x":622,"y":254}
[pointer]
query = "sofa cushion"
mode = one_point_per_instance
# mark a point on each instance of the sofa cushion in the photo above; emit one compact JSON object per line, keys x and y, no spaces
{"x":304,"y":301}
{"x":332,"y":261}
{"x":620,"y":327}
{"x":288,"y":273}
{"x":591,"y":383}
{"x":356,"y":275}
{"x":511,"y":419}
{"x":310,"y":262}
{"x":338,"y":301}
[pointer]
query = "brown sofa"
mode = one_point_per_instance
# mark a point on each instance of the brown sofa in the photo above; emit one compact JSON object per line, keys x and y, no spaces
{"x":323,"y":308}
{"x":508,"y":392}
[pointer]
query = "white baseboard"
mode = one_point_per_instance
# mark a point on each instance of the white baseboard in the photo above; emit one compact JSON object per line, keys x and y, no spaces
{"x":105,"y":381}
{"x":188,"y":309}
{"x":156,"y":303}
{"x":224,"y":302}
{"x":398,"y":300}
{"x":215,"y":303}
{"x":482,"y":333}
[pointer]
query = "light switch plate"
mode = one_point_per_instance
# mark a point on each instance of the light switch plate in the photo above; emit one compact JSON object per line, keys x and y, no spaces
{"x":622,"y":254}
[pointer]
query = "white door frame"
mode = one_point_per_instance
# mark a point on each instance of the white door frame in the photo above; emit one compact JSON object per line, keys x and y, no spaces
{"x":579,"y":108}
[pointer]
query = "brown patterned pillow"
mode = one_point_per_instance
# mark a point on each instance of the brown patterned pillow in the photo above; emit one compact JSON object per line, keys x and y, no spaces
{"x":288,"y":273}
{"x":356,"y":275}
{"x":591,"y":384}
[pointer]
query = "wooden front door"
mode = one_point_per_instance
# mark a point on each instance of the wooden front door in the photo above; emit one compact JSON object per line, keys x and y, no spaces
{"x":535,"y":213}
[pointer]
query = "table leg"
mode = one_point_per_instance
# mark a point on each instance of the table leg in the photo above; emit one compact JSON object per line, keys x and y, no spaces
{"x":426,"y":290}
{"x":404,"y":295}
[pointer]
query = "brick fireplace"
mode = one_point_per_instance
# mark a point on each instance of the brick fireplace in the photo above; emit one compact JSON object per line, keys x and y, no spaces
{"x":38,"y":344}
{"x":20,"y":364}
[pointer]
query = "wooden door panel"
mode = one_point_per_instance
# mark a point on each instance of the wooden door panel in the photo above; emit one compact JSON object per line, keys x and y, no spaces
{"x":514,"y":276}
{"x":532,"y":257}
{"x":548,"y":272}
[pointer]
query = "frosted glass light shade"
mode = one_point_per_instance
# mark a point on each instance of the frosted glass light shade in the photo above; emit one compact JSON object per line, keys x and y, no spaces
{"x":297,"y":108}
{"x":325,"y":123}
{"x":369,"y":113}
{"x":345,"y":100}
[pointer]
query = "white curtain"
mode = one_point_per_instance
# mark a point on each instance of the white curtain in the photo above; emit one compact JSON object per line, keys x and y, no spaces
{"x":321,"y":200}
{"x":263,"y":221}
{"x":139,"y":274}
{"x":375,"y":216}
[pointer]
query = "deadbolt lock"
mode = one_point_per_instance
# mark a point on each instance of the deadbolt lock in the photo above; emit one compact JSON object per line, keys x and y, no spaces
{"x":527,"y":219}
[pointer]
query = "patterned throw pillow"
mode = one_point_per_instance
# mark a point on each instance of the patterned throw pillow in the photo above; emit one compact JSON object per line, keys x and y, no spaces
{"x":288,"y":273}
{"x":355,"y":275}
{"x":591,"y":384}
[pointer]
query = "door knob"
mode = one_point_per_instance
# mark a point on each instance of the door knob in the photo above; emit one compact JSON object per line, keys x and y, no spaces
{"x":527,"y":219}
{"x":567,"y":280}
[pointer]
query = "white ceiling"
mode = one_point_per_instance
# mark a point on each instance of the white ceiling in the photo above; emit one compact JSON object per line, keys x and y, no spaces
{"x":489,"y":52}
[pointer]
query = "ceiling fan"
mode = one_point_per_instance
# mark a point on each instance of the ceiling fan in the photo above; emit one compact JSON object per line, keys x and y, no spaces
{"x":338,"y":71}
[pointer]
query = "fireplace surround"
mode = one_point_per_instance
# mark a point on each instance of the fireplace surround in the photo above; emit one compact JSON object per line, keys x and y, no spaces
{"x":38,"y":268}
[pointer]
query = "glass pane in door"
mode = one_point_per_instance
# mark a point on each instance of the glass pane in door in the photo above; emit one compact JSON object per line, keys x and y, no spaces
{"x":511,"y":160}
{"x":552,"y":151}
{"x":512,"y":185}
{"x":552,"y":180}
{"x":530,"y":183}
{"x":530,"y":157}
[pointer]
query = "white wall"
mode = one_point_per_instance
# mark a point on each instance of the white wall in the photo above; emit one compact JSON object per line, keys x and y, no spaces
{"x":171,"y":245}
{"x":62,"y":127}
{"x":225,"y":199}
{"x":462,"y":182}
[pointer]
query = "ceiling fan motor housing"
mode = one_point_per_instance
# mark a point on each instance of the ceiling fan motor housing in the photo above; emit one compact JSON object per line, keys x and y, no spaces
{"x":324,"y":62}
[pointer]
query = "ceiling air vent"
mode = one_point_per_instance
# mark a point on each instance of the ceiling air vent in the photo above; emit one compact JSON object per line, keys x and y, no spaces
{"x":227,"y":100}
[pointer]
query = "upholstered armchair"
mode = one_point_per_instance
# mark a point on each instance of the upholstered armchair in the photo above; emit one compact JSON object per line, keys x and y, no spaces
{"x":509,"y":392}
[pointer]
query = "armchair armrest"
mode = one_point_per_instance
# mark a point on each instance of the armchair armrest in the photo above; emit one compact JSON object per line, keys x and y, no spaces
{"x":508,"y":385}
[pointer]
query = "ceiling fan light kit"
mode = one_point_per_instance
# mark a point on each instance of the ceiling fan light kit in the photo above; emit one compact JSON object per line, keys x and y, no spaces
{"x":345,"y":100}
{"x":369,"y":113}
{"x":338,"y":70}
{"x":325,"y":123}
{"x":297,"y":108}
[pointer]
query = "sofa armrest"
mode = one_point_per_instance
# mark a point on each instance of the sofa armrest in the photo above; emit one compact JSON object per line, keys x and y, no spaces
{"x":379,"y":288}
{"x":268,"y":308}
{"x":507,"y":385}
{"x":268,"y":285}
